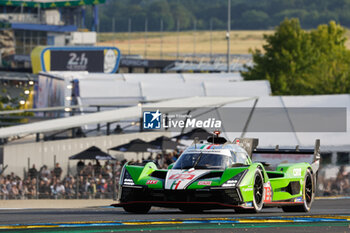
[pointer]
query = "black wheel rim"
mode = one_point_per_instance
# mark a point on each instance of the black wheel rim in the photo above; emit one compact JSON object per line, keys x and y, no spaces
{"x":258,"y":189}
{"x":308,"y":189}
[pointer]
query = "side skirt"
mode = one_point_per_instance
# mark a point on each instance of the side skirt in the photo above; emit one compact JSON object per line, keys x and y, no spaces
{"x":177,"y":204}
{"x":282,"y":203}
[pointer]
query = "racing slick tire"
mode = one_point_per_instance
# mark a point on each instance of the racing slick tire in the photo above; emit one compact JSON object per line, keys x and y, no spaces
{"x":137,"y":208}
{"x":308,"y":195}
{"x":258,"y":194}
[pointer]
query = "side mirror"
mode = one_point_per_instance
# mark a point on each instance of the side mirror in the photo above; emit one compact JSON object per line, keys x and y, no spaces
{"x":171,"y":166}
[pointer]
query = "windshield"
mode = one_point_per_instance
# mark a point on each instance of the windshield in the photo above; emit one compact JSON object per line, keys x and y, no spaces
{"x":203,"y":161}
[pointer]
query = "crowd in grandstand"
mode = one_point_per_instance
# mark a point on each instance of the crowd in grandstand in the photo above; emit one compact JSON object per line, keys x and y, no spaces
{"x":89,"y":180}
{"x":338,"y":185}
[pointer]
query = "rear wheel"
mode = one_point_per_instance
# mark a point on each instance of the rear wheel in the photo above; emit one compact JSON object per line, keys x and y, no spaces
{"x":137,"y":208}
{"x":308,"y":195}
{"x":258,"y":194}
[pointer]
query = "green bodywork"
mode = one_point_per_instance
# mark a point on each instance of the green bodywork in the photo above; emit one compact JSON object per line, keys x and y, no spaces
{"x":278,"y":179}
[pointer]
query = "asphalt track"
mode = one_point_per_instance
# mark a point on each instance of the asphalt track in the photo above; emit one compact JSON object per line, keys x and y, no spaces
{"x":330,"y":215}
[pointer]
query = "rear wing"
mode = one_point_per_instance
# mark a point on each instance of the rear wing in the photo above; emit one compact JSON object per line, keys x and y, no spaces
{"x":270,"y":155}
{"x":249,"y":144}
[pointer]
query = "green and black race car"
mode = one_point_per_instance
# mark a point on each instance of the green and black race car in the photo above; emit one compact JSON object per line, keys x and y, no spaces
{"x":221,"y":174}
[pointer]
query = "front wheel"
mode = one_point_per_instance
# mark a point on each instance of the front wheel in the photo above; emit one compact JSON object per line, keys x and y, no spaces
{"x":258,"y":194}
{"x":308,"y":195}
{"x":137,"y":208}
{"x":259,"y":191}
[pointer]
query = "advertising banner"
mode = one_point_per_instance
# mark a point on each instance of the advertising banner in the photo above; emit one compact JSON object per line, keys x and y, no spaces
{"x":91,"y":59}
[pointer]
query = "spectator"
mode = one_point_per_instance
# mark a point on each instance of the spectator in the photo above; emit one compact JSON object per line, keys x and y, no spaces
{"x":107,"y":171}
{"x":101,"y":187}
{"x":109,"y":189}
{"x":81,"y":187}
{"x":4,"y":192}
{"x":29,"y":190}
{"x":80,"y":166}
{"x":33,"y":172}
{"x":60,"y":190}
{"x":53,"y":191}
{"x":8,"y":183}
{"x":57,"y":171}
{"x":14,"y":192}
{"x":341,"y":181}
{"x":159,"y":161}
{"x":92,"y":189}
{"x":70,"y":190}
{"x":97,"y":168}
{"x":118,"y":168}
{"x":34,"y":182}
{"x":169,"y":159}
{"x":44,"y":189}
{"x":44,"y":172}
{"x":89,"y":169}
{"x":118,"y":129}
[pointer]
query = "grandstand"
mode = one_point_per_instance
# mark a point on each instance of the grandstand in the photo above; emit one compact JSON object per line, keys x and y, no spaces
{"x":26,"y":24}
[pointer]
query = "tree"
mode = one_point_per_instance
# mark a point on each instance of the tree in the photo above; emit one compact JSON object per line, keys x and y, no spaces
{"x":254,"y":19}
{"x":182,"y":14}
{"x":160,"y":10}
{"x":333,"y":69}
{"x":297,"y":62}
{"x":254,"y":14}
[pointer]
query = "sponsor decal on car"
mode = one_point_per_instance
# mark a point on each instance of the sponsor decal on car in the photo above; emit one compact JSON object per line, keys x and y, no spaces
{"x":298,"y":199}
{"x":204,"y":182}
{"x":181,"y":177}
{"x":176,"y":184}
{"x":297,"y":172}
{"x":248,"y":189}
{"x":268,"y":192}
{"x":152,"y":181}
{"x":248,"y":204}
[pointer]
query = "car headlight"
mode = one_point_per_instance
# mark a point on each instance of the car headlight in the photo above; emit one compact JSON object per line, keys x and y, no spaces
{"x":233,"y":182}
{"x":127,"y":179}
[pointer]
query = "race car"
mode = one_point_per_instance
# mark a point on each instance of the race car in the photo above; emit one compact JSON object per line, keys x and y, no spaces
{"x":220,"y":174}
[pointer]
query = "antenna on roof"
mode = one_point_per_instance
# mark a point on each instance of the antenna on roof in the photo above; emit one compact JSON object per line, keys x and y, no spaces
{"x":195,"y":141}
{"x":217,"y":133}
